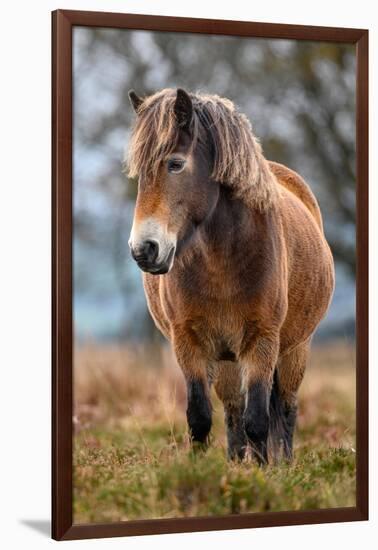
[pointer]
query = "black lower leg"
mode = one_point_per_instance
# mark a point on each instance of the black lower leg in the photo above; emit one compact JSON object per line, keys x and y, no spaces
{"x":256,"y":420}
{"x":198,"y":412}
{"x":290,"y":412}
{"x":236,"y":436}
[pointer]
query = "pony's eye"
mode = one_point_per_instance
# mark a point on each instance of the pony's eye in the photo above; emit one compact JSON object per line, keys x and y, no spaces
{"x":176,"y":165}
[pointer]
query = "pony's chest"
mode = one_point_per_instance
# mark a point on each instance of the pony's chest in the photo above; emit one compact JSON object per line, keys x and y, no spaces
{"x":218,"y":330}
{"x":216,"y":307}
{"x":218,"y":284}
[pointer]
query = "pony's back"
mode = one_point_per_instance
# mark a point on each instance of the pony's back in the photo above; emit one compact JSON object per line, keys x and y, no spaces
{"x":294,"y":183}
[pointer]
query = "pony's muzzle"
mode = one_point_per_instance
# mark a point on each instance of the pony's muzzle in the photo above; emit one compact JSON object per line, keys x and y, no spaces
{"x":152,"y":246}
{"x":146,"y":256}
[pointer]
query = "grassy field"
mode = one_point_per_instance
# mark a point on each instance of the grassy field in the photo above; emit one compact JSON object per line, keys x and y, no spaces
{"x":133,"y":460}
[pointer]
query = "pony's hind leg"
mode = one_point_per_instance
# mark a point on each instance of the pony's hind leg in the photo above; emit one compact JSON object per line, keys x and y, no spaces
{"x":228,"y":386}
{"x":290,"y":371}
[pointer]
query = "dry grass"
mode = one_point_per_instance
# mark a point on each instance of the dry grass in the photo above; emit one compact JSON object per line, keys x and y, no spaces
{"x":132,"y":453}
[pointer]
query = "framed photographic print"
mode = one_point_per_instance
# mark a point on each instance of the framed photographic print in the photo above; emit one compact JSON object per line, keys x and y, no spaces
{"x":210,"y":274}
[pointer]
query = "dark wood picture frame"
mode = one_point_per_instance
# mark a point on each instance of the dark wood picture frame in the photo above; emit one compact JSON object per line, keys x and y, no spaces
{"x":63,"y":22}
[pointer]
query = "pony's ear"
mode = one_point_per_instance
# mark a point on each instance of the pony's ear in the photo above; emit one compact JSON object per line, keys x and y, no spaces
{"x":135,"y":101}
{"x":183,"y":108}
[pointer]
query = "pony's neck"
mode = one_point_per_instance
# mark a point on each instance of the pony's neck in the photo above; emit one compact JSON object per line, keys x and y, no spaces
{"x":230,"y":240}
{"x":231,"y":230}
{"x":227,"y":251}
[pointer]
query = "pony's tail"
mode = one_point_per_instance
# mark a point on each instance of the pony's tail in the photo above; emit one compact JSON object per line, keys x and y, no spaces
{"x":277,"y":421}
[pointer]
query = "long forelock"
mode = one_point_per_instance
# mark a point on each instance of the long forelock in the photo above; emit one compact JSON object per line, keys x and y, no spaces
{"x":238,"y":161}
{"x":154,"y":136}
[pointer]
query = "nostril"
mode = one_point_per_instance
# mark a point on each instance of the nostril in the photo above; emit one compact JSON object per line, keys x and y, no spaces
{"x":151,"y":250}
{"x":148,"y":251}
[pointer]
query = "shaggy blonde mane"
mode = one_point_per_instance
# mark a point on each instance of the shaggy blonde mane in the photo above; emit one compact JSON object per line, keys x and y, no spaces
{"x":238,"y":160}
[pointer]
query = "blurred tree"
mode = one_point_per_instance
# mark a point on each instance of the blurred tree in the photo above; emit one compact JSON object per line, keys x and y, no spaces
{"x":300,"y":97}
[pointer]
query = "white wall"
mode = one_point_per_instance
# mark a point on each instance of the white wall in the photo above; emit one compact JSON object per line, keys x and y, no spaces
{"x":25,"y":265}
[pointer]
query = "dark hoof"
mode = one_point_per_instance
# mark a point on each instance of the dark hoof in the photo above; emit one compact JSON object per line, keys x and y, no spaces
{"x":236,"y":455}
{"x":199,"y":428}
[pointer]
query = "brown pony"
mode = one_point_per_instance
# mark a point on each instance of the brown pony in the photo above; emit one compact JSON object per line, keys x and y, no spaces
{"x":238,"y":272}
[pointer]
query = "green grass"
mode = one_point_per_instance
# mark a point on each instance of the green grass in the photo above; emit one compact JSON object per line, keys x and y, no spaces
{"x":133,"y":460}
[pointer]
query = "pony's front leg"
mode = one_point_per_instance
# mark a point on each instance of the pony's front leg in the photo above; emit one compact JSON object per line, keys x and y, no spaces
{"x":194,"y":366}
{"x":228,"y":386}
{"x":259,"y":363}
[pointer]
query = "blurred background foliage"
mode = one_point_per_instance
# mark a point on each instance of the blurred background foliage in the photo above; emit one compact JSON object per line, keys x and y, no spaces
{"x":300,"y":98}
